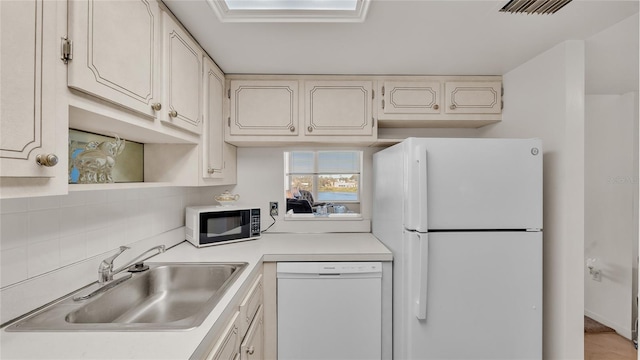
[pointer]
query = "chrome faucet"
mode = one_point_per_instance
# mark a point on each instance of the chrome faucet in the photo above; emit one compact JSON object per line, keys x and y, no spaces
{"x":106,"y":272}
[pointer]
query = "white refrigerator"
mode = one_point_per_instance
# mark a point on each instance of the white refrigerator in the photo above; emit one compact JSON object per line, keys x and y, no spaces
{"x":463,"y":218}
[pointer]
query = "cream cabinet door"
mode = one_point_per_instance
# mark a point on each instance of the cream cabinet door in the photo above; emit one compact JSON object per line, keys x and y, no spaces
{"x":182,"y":78}
{"x":228,"y":343}
{"x":263,"y":107}
{"x":213,"y":139}
{"x":404,"y":97}
{"x":252,"y":347}
{"x":479,"y":97}
{"x":116,"y":51}
{"x":338,"y":108}
{"x":27,"y":87}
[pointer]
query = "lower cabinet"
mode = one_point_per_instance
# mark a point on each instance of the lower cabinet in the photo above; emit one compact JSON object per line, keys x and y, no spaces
{"x":227,"y":346}
{"x":252,"y":347}
{"x":243,"y":336}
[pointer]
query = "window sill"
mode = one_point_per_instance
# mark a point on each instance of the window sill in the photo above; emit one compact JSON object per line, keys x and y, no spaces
{"x":339,"y":217}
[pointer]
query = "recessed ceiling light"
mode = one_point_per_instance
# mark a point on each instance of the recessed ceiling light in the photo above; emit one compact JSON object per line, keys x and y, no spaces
{"x":290,"y":10}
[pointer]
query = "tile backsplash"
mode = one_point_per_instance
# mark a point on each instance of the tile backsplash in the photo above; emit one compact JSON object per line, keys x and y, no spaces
{"x":42,"y":234}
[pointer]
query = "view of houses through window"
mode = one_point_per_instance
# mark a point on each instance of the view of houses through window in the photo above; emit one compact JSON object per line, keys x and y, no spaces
{"x":329,"y":177}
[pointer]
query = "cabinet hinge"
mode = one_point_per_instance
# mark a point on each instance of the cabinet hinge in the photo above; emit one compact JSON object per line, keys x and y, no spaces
{"x":373,"y":94}
{"x":382,"y":91}
{"x":502,"y":91}
{"x":229,"y":93}
{"x":229,"y":121}
{"x":382,"y":104}
{"x":66,"y":49}
{"x":501,"y":104}
{"x":373,"y":122}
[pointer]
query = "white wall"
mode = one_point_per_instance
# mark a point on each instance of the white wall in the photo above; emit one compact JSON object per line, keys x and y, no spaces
{"x":611,"y":190}
{"x":544,"y":98}
{"x":50,"y":246}
{"x":612,"y":59}
{"x":610,"y":222}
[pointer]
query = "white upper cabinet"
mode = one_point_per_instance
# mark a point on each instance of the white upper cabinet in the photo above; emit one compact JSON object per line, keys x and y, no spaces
{"x":439,"y":101}
{"x":338,"y":108}
{"x":213,"y":139}
{"x":182,"y":77}
{"x":405,"y":97}
{"x":263,"y":107}
{"x":28,"y":114}
{"x":473,"y":97}
{"x":296,"y":109}
{"x":117,"y":55}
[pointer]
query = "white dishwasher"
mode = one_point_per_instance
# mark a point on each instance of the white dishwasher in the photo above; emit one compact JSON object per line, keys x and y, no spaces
{"x":329,"y":310}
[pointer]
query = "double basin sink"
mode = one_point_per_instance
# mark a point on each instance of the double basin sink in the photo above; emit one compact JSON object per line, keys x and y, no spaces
{"x":168,"y":296}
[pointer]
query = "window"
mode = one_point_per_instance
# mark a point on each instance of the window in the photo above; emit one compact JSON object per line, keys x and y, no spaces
{"x":330,"y":178}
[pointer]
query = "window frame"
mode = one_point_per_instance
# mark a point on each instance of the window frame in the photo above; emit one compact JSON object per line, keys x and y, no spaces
{"x":315,"y":174}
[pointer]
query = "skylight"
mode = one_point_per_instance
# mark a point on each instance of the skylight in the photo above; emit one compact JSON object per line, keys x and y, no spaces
{"x":290,"y":10}
{"x":292,"y":4}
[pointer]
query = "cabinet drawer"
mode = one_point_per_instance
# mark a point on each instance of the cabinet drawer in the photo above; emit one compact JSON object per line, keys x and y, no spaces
{"x":229,"y":343}
{"x":252,"y":347}
{"x":250,"y":305}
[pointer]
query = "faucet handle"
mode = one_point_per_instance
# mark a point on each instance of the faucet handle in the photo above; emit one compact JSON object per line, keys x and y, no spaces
{"x":110,"y":259}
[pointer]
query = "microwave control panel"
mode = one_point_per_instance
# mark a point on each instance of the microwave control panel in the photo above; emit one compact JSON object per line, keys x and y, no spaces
{"x":255,"y":222}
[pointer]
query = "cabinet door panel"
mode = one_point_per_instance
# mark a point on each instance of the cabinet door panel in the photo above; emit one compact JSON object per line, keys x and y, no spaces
{"x":338,"y":108}
{"x":27,"y":91}
{"x":182,"y":78}
{"x":252,"y":347}
{"x":228,"y":344}
{"x":213,"y":115}
{"x":411,"y":97}
{"x":473,"y":97}
{"x":264,"y":107}
{"x":250,"y":304}
{"x":117,"y":49}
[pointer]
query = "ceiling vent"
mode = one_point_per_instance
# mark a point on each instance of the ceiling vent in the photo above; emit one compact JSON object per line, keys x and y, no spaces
{"x":534,"y":6}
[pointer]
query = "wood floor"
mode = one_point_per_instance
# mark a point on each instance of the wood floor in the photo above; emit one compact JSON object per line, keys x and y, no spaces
{"x":608,"y":346}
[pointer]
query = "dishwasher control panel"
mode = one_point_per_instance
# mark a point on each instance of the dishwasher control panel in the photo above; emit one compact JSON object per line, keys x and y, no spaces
{"x":330,"y":268}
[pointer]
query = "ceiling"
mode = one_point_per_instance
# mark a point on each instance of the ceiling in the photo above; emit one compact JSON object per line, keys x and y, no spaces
{"x":429,"y":37}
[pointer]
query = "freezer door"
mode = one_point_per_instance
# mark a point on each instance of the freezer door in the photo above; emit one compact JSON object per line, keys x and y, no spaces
{"x":482,"y":296}
{"x":473,"y":184}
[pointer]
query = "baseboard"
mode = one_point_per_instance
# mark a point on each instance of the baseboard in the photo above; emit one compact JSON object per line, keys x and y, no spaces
{"x":621,"y":330}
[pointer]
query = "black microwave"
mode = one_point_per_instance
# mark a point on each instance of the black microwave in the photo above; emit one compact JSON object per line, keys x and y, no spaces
{"x":214,"y":225}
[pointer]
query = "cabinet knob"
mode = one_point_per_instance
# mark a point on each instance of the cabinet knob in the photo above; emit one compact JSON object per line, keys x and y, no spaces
{"x":47,"y":160}
{"x":173,"y":113}
{"x":436,"y":106}
{"x":251,"y":350}
{"x":156,"y":106}
{"x":213,"y":171}
{"x":309,"y":129}
{"x":292,"y":128}
{"x":452,"y":107}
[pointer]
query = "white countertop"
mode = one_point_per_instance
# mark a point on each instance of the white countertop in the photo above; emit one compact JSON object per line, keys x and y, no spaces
{"x":181,"y":344}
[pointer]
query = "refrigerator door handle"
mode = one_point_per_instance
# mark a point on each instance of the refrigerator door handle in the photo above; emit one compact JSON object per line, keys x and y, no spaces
{"x":423,"y":272}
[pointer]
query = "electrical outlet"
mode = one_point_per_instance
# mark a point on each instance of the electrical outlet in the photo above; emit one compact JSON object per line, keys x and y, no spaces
{"x":273,"y":206}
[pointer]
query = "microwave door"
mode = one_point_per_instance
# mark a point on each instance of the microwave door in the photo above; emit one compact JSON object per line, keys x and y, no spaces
{"x":224,"y":226}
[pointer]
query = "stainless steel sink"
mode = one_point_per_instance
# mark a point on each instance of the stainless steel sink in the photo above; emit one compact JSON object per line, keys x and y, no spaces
{"x":168,"y":296}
